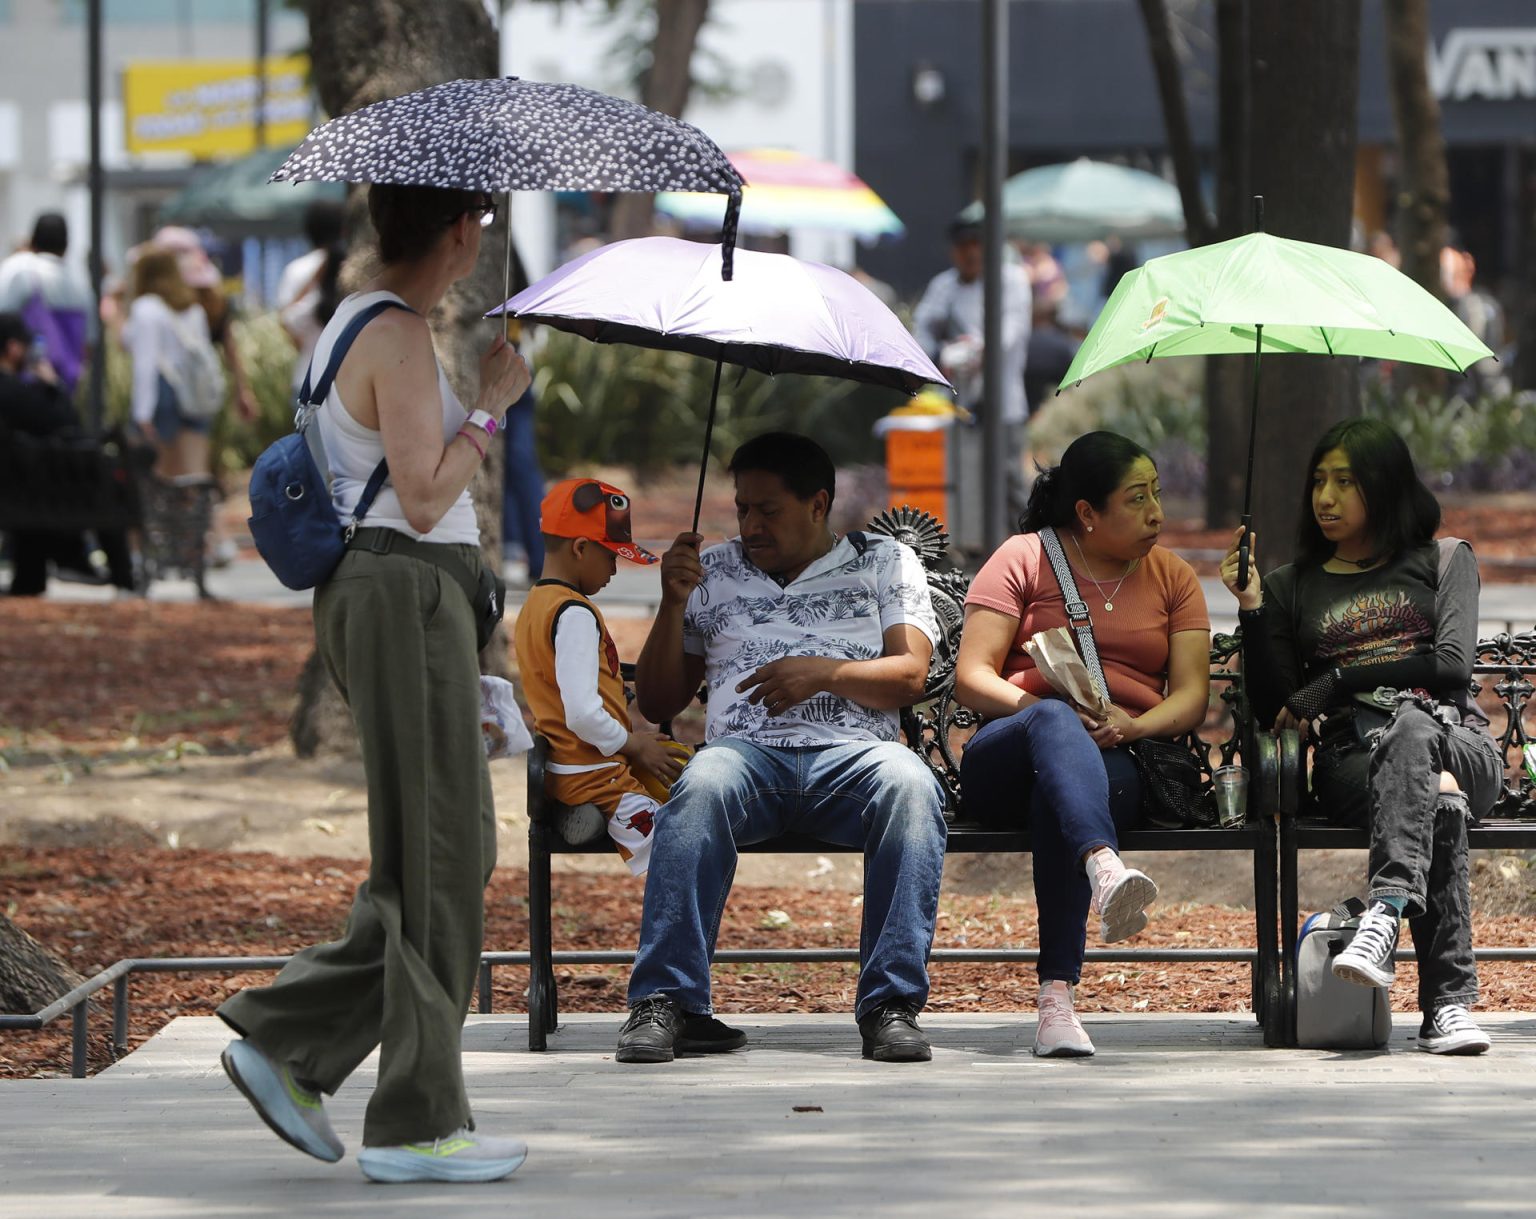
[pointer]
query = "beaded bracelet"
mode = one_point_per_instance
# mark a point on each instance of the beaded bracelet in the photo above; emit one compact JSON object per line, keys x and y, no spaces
{"x":474,"y":442}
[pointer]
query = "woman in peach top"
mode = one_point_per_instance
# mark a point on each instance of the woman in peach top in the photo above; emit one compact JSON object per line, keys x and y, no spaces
{"x":1038,"y":761}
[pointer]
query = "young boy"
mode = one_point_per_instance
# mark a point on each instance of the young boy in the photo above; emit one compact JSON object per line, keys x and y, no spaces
{"x":570,"y":667}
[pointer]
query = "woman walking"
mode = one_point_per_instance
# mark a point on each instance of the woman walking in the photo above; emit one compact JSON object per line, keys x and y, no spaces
{"x":398,"y":635}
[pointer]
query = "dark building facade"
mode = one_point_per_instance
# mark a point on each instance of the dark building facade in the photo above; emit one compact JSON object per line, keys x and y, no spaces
{"x":1081,"y":83}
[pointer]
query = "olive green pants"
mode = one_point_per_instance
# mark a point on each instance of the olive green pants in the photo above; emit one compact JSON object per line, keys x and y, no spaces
{"x":398,"y":636}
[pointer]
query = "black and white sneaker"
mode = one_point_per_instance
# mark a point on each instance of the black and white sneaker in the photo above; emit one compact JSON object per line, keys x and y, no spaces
{"x":1451,"y":1030}
{"x":1367,"y":961}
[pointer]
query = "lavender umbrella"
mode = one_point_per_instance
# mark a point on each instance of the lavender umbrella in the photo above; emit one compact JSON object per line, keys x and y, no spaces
{"x":777,"y":314}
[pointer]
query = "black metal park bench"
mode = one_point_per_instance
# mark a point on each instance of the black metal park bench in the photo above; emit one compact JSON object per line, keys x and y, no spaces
{"x":1502,"y":680}
{"x":934,"y":730}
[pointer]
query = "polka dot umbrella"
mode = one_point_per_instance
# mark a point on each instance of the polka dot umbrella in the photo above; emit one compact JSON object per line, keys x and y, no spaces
{"x":506,"y":134}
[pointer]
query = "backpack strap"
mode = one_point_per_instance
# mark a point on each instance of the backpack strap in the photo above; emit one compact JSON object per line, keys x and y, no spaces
{"x":312,"y":398}
{"x":1077,"y":608}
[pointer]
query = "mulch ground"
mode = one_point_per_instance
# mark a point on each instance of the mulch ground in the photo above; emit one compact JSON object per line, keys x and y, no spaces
{"x":126,"y":677}
{"x":95,"y":907}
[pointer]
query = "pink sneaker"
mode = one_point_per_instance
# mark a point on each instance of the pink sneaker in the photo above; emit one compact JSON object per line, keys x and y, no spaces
{"x":1120,"y":894}
{"x":1059,"y":1033}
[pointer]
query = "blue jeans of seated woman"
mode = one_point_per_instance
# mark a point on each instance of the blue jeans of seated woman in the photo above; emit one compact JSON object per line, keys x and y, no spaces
{"x":876,"y":795}
{"x":1040,"y":767}
{"x":1418,"y":838}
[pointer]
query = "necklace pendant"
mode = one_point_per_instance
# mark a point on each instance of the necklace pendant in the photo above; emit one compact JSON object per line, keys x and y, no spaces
{"x":1109,"y":607}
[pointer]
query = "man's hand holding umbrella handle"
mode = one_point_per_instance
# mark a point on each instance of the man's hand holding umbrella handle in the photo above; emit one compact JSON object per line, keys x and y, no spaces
{"x":681,"y":570}
{"x":666,"y":676}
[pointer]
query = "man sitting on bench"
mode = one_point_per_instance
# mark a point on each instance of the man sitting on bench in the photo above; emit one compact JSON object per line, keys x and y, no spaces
{"x":810,"y":644}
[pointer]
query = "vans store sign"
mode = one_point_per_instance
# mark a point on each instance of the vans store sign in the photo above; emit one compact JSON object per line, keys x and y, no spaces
{"x":207,"y":108}
{"x":1492,"y":64}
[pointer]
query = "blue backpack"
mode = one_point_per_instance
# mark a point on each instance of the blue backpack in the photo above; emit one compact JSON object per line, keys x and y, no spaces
{"x":293,"y":520}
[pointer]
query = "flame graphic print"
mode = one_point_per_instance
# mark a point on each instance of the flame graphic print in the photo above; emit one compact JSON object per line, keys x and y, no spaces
{"x":1372,"y":628}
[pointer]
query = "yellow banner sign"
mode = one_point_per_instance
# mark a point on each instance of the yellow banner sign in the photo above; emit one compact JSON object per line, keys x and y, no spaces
{"x":207,"y":107}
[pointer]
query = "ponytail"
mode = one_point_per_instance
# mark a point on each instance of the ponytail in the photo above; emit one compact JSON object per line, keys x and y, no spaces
{"x":1091,"y":468}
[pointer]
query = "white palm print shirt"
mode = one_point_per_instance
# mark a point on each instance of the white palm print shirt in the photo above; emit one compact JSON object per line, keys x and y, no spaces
{"x":739,"y":619}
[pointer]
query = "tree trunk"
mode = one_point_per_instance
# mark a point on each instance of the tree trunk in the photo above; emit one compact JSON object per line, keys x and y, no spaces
{"x":30,"y":976}
{"x":1226,"y":406}
{"x":664,"y":86}
{"x":1423,"y":188}
{"x":1304,"y":58}
{"x":363,"y":51}
{"x":1181,"y":145}
{"x":1524,"y":373}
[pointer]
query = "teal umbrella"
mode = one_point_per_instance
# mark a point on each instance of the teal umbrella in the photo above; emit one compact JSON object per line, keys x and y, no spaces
{"x":235,"y":198}
{"x":1270,"y":294}
{"x":1085,"y":200}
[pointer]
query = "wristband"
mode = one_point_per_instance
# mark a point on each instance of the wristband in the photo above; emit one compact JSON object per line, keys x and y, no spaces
{"x":483,"y":420}
{"x":474,"y":442}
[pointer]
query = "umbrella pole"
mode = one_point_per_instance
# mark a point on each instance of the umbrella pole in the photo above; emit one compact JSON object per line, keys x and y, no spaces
{"x":506,"y":277}
{"x":1253,"y":428}
{"x":709,"y":431}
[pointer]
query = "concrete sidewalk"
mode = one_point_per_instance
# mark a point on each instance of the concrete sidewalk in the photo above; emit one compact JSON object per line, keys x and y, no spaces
{"x":1178,"y":1115}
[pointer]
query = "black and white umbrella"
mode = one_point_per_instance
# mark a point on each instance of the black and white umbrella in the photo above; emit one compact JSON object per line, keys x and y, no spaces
{"x":506,"y":134}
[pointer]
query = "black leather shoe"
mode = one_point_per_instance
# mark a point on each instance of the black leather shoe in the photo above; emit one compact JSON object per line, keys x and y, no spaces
{"x":650,"y":1032}
{"x":891,"y":1034}
{"x":703,"y":1034}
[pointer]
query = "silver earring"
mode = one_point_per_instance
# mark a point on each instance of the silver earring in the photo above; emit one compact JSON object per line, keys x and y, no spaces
{"x":1090,"y":528}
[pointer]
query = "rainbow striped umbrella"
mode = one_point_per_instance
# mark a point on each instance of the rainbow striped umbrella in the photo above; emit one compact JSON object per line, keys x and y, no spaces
{"x":786,"y":190}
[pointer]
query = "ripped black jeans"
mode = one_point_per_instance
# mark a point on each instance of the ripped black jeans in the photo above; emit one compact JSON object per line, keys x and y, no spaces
{"x":1418,"y":837}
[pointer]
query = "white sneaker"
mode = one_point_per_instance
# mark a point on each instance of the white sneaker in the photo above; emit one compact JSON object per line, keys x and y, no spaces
{"x":1059,"y":1033}
{"x":460,"y":1156}
{"x":1451,"y":1030}
{"x":293,"y":1112}
{"x":1367,"y":959}
{"x":1120,"y":895}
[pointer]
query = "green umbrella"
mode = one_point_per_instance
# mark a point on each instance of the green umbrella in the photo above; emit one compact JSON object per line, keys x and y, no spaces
{"x":235,"y":197}
{"x":1270,"y":294}
{"x":1083,"y":200}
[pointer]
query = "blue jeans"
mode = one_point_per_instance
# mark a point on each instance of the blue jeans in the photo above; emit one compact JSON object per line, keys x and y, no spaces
{"x":523,"y":486}
{"x":874,"y":795}
{"x":1041,"y":767}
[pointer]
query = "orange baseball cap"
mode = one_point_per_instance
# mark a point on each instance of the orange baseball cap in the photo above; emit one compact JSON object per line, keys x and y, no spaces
{"x":586,"y":508}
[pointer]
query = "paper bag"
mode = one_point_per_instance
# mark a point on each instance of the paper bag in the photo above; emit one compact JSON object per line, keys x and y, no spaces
{"x":501,"y":719}
{"x":1055,"y":655}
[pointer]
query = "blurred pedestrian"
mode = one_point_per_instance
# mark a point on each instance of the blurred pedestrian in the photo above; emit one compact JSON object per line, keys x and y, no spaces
{"x":52,"y":298}
{"x":207,"y":283}
{"x":165,"y":334}
{"x":33,"y":403}
{"x":948,"y":324}
{"x":307,"y":289}
{"x":1483,"y":316}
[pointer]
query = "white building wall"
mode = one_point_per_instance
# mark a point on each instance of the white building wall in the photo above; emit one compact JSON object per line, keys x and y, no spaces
{"x":791,"y":61}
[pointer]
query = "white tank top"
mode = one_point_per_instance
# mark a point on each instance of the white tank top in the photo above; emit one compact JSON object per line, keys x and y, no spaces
{"x":354,"y":450}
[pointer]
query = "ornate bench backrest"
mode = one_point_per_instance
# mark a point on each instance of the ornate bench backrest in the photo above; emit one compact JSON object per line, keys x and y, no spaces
{"x":1505,"y":664}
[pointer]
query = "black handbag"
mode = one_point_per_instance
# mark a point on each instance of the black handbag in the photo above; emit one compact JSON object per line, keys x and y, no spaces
{"x":1173,"y":795}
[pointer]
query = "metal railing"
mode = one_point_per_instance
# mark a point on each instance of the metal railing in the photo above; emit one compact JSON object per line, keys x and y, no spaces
{"x":77,"y":1001}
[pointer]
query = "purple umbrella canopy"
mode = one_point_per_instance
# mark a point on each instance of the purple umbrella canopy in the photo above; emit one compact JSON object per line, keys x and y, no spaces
{"x":778,"y":314}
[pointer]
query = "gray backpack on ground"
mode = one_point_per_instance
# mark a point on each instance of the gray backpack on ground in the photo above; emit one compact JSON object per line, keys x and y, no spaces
{"x":1332,"y":1014}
